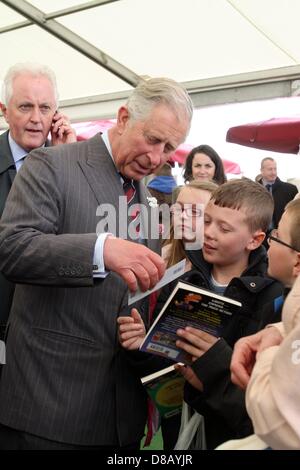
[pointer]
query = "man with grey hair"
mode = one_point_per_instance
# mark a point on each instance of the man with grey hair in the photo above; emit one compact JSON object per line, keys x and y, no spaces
{"x":29,"y":104}
{"x":67,"y":384}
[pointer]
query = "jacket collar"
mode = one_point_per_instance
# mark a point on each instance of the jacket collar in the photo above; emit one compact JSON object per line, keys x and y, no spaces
{"x":99,"y":163}
{"x":257,"y":262}
{"x":6,"y":159}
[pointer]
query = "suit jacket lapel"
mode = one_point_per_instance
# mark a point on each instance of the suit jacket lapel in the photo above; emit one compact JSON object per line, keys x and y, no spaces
{"x":104,"y":180}
{"x":7,"y":163}
{"x":149,"y":216}
{"x":101,"y":173}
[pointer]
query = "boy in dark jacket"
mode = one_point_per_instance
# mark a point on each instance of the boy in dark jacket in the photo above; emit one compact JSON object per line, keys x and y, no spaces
{"x":232,"y":262}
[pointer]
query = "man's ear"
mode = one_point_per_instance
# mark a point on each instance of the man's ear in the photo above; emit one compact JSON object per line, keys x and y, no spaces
{"x":296,"y":268}
{"x":4,"y":111}
{"x":256,"y":240}
{"x":122,"y":119}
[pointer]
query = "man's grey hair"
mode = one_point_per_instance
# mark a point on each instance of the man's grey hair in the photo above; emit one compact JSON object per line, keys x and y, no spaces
{"x":26,"y":68}
{"x":265,"y":160}
{"x":155,"y":91}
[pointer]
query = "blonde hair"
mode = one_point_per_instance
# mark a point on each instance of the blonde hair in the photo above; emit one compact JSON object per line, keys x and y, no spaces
{"x":177,"y":251}
{"x":197,"y":184}
{"x":204,"y":185}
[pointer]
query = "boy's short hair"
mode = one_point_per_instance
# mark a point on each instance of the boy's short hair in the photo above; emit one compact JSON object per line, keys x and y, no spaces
{"x":293,"y":209}
{"x":250,"y":196}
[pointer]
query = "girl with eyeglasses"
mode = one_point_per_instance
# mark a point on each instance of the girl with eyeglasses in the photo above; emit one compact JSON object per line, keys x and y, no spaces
{"x":187,"y":214}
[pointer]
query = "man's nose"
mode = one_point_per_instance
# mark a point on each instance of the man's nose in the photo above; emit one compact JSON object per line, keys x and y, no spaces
{"x":35,"y":115}
{"x":156,"y":155}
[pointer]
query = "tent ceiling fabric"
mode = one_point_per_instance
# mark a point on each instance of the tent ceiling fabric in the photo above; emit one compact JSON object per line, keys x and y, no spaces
{"x":222,"y":50}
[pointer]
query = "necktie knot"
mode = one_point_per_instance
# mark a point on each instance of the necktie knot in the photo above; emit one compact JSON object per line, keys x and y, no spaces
{"x":269,"y":187}
{"x":129,"y":189}
{"x":134,"y":210}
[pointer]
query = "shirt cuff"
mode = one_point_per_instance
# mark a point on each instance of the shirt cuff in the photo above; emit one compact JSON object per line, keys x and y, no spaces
{"x":98,"y":260}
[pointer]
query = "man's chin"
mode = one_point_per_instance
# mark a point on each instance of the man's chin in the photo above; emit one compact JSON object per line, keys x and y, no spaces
{"x":33,"y":144}
{"x":135,"y":175}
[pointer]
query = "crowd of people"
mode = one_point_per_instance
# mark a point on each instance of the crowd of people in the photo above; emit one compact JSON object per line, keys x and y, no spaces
{"x":69,"y":258}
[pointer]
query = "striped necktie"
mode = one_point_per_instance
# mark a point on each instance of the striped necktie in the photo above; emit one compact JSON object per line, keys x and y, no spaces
{"x":269,"y":188}
{"x":129,"y":190}
{"x":130,"y":193}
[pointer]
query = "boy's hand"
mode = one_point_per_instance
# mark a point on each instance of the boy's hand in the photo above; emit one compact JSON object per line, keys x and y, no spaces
{"x":190,"y":376}
{"x":61,"y":130}
{"x":196,"y":342}
{"x":131,"y":330}
{"x":245,"y":350}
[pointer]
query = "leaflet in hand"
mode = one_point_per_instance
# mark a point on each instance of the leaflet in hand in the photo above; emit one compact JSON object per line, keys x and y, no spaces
{"x":171,"y":273}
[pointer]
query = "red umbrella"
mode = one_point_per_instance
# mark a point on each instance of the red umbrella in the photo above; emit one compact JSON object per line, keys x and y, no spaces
{"x":181,"y":153}
{"x":277,"y":135}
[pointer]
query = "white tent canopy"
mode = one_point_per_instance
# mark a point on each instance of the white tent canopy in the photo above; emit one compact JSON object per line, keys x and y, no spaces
{"x":222,"y":50}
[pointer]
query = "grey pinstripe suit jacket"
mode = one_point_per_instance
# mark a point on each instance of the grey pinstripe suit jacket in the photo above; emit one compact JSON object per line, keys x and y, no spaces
{"x":66,"y":377}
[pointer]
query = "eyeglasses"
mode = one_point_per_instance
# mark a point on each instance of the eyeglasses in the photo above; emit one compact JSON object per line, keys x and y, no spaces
{"x":274,"y":236}
{"x":189,"y":209}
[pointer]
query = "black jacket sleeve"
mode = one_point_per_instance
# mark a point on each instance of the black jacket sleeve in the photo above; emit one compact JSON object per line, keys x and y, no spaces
{"x":219,"y":394}
{"x":145,"y":363}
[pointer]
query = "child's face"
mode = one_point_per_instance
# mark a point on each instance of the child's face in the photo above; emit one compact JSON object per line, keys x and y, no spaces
{"x":190,"y":222}
{"x":227,"y":237}
{"x":281,"y":258}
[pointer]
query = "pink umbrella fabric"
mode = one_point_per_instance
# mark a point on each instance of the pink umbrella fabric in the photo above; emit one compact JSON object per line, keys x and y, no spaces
{"x":86,"y":130}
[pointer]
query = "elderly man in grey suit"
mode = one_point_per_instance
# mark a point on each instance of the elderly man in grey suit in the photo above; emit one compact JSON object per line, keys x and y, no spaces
{"x":29,"y":104}
{"x":67,"y":383}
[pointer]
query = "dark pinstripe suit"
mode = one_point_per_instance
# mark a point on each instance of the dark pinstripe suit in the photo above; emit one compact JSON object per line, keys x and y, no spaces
{"x":66,"y":378}
{"x":7,"y":174}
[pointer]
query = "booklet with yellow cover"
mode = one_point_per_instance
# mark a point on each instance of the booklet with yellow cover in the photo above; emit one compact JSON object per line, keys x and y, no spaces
{"x":165,"y":388}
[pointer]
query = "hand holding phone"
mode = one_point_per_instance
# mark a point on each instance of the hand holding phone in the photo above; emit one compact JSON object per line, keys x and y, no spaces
{"x":61,"y":130}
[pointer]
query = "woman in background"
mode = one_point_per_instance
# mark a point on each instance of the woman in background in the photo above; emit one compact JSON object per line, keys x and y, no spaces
{"x":204,"y":164}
